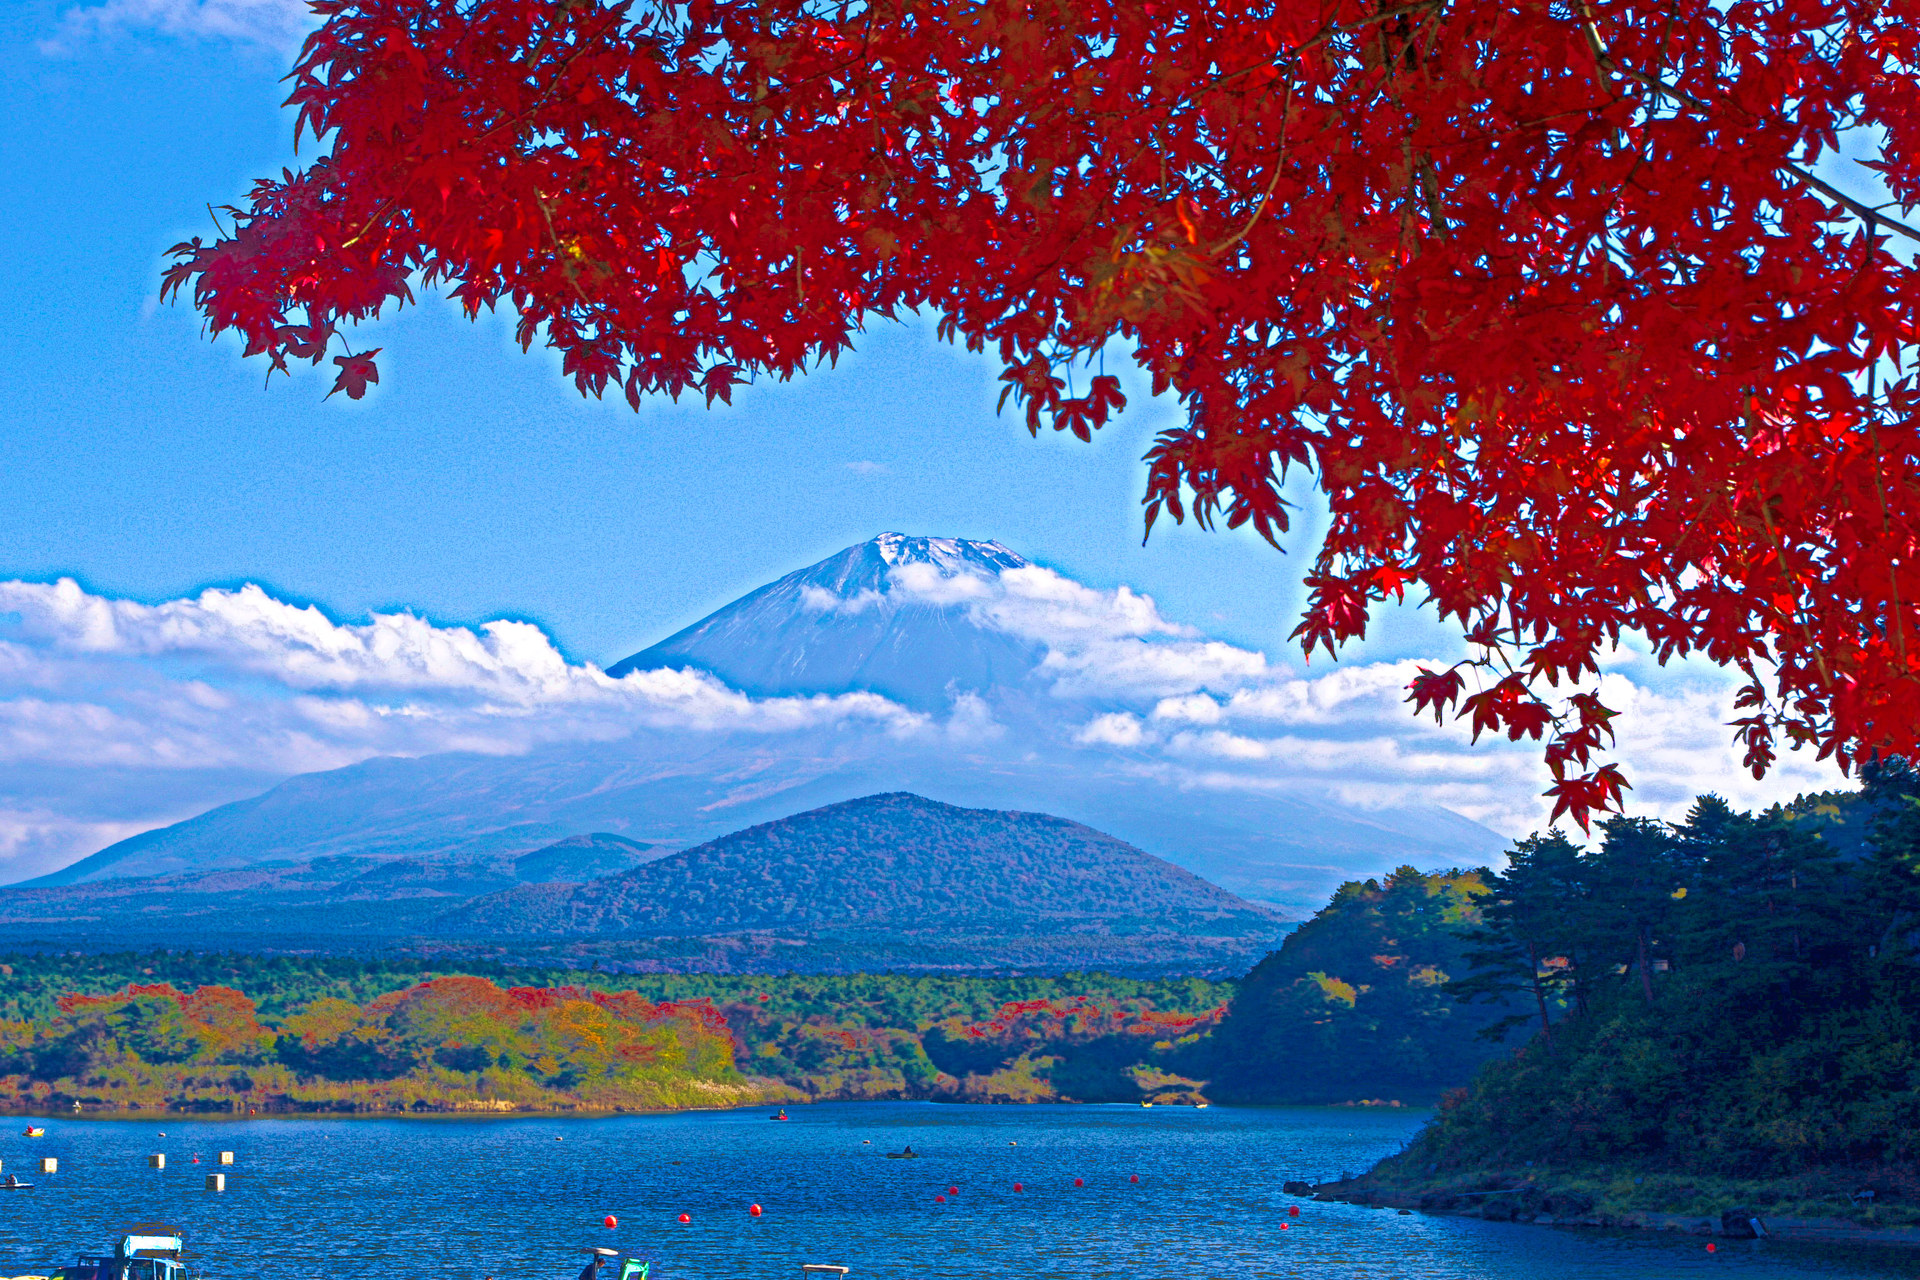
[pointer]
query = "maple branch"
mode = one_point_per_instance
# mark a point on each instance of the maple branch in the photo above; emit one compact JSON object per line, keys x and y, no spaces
{"x":1871,"y":216}
{"x":378,"y":213}
{"x":1606,"y":61}
{"x":1279,"y":163}
{"x":559,"y":250}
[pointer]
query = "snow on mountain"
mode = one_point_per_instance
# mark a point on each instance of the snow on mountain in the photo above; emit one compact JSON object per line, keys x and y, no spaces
{"x":887,"y":616}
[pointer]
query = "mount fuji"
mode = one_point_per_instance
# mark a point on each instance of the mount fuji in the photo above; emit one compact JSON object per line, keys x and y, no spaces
{"x":855,"y":621}
{"x":953,"y":669}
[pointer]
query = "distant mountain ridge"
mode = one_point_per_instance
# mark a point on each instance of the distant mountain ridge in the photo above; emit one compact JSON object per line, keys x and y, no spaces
{"x":344,"y":895}
{"x":870,"y":617}
{"x":893,"y":881}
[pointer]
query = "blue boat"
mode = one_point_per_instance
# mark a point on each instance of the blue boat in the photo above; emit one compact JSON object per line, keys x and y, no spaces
{"x":148,"y":1251}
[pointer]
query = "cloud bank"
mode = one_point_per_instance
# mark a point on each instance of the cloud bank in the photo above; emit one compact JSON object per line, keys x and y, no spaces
{"x":1195,"y":712}
{"x":118,"y":715}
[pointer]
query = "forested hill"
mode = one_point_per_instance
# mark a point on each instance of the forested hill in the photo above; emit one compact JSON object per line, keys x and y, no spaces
{"x":898,"y":864}
{"x":1356,"y":1004}
{"x":1734,"y":996}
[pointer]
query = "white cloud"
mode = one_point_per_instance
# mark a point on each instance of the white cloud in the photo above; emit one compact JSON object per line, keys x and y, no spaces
{"x":276,"y":25}
{"x":1100,"y":644}
{"x":920,"y":583}
{"x":240,"y":678}
{"x":1115,"y":729}
{"x":972,"y":721}
{"x":1348,"y":737}
{"x":819,"y":600}
{"x":1194,"y":708}
{"x":1210,"y":715}
{"x":233,"y":682}
{"x":37,"y":838}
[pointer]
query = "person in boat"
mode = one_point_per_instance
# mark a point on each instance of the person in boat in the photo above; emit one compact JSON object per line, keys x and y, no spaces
{"x":907,"y":1150}
{"x":592,"y":1270}
{"x":13,"y":1179}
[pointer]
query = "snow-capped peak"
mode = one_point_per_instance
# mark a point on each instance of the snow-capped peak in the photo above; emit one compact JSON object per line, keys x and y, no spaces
{"x":951,"y":555}
{"x":847,"y":623}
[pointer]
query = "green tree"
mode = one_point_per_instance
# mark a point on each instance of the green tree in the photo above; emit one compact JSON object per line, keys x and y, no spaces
{"x":1526,"y":942}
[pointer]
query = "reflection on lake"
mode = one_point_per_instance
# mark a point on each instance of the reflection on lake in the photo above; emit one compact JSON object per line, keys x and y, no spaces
{"x":521,"y":1197}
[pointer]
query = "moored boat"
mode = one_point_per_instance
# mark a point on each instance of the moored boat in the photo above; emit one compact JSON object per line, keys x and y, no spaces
{"x":630,"y":1268}
{"x":146,"y":1251}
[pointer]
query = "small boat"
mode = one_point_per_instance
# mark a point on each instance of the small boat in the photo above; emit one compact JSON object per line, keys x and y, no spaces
{"x":907,"y":1154}
{"x":13,"y":1183}
{"x":630,"y":1268}
{"x":1201,"y":1106}
{"x":147,"y":1251}
{"x":1146,"y":1104}
{"x":781,"y":1116}
{"x":34,"y":1131}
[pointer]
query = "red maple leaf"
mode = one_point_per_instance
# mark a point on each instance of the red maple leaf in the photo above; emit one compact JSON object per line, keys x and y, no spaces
{"x":355,"y":373}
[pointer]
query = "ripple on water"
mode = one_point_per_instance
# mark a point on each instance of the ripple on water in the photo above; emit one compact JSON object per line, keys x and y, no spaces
{"x":339,"y":1198}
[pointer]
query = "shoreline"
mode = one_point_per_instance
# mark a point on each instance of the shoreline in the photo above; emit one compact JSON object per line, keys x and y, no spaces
{"x":1539,"y":1204}
{"x":531,"y":1111}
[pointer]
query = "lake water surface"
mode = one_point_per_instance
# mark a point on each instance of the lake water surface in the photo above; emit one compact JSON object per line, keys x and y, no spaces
{"x":520,"y":1198}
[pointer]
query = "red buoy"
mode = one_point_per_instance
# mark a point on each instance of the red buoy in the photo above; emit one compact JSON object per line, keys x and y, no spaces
{"x":1712,"y":1248}
{"x":1293,"y":1211}
{"x":1018,"y":1187}
{"x":612,"y":1222}
{"x":1283,"y":1226}
{"x":1079,"y":1182}
{"x":939,"y":1199}
{"x":1135,"y":1178}
{"x":686,"y":1217}
{"x":754,"y":1209}
{"x":953,"y":1191}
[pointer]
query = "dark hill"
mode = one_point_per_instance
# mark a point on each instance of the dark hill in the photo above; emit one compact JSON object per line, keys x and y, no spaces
{"x":580,"y":858}
{"x":900,"y":866}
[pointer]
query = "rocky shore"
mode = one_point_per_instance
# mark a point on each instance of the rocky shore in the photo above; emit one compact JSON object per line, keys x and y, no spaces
{"x":1545,"y":1203}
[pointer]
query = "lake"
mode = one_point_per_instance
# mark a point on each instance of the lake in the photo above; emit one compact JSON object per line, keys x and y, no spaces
{"x":521,"y":1197}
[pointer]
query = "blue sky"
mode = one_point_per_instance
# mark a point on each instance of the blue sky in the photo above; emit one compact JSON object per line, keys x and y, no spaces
{"x":474,"y":484}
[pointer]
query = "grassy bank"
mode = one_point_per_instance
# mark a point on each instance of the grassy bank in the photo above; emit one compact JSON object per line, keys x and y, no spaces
{"x":1617,"y":1196}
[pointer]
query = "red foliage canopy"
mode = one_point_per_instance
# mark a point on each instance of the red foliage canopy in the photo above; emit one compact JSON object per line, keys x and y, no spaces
{"x":1547,"y":293}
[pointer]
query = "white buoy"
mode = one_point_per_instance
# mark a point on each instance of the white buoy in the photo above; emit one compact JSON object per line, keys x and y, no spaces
{"x":216,"y":1182}
{"x":156,"y":1161}
{"x":226,"y":1157}
{"x":49,"y":1165}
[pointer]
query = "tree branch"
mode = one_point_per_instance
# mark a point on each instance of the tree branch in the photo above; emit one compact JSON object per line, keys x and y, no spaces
{"x":1605,"y":59}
